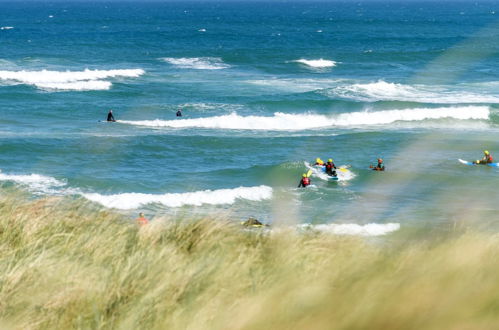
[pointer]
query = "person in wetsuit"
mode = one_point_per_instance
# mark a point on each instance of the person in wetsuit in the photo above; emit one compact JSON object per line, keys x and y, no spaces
{"x":305,"y":181}
{"x":319,"y":161}
{"x":179,"y":113}
{"x":487,"y":158}
{"x":110,"y":116}
{"x":379,"y":167}
{"x":331,"y":168}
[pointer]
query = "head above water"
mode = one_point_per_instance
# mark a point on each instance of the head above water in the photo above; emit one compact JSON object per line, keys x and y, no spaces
{"x":380,"y":160}
{"x":330,"y":160}
{"x":486,"y":152}
{"x":304,"y":175}
{"x":141,"y":215}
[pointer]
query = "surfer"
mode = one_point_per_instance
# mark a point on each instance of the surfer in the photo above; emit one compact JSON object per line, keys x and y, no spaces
{"x":305,"y":181}
{"x":330,"y":168}
{"x":110,"y":116}
{"x":379,"y":167}
{"x":487,"y":158}
{"x":141,"y":220}
{"x":179,"y":113}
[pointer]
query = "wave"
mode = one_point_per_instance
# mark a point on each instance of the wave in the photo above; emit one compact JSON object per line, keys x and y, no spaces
{"x":6,"y":28}
{"x":198,"y":63}
{"x":69,"y":80}
{"x":130,"y":201}
{"x":371,"y":229}
{"x":283,"y":121}
{"x":34,"y":182}
{"x":320,"y":63}
{"x":385,"y":91}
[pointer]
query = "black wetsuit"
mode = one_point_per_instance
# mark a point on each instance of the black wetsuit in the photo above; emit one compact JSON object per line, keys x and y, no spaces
{"x":110,"y":116}
{"x":379,"y":167}
{"x":179,"y":113}
{"x":330,"y":169}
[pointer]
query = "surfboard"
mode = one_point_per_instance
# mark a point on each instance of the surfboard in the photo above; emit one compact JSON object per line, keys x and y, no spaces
{"x":465,"y":162}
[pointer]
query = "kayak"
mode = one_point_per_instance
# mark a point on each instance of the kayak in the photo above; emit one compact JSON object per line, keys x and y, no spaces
{"x":465,"y":162}
{"x":320,"y":172}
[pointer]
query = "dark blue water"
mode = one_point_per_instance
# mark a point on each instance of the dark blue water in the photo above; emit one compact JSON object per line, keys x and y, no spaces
{"x":263,"y":88}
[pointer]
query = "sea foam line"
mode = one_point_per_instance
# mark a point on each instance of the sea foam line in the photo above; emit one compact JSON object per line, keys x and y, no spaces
{"x":69,"y":80}
{"x":385,"y":91}
{"x":129,"y":201}
{"x":198,"y":63}
{"x":370,"y":229}
{"x":283,"y":121}
{"x":320,"y":63}
{"x":35,"y":183}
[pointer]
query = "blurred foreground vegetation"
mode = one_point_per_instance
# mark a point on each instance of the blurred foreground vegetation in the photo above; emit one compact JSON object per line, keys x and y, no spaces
{"x":66,"y":264}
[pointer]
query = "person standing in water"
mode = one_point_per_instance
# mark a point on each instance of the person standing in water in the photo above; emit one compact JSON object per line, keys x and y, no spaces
{"x":379,"y":167}
{"x":110,"y":116}
{"x":141,"y":220}
{"x":305,"y":181}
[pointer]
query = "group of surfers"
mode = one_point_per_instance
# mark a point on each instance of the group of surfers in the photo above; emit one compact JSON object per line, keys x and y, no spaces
{"x":330,"y":169}
{"x":110,"y":116}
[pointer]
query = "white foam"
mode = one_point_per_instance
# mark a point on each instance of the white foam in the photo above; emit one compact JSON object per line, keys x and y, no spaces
{"x":385,"y":91}
{"x":34,"y":182}
{"x":6,"y":28}
{"x":320,"y":63}
{"x":371,"y":229}
{"x":90,"y":85}
{"x":343,"y":173}
{"x":68,"y":80}
{"x":283,"y":121}
{"x":130,"y":201}
{"x":198,"y":63}
{"x":295,"y":85}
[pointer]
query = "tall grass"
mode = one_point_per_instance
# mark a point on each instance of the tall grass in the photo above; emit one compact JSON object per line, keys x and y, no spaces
{"x":66,"y":264}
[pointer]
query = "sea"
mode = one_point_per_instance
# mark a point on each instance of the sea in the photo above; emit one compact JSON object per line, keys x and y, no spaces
{"x":264,"y":88}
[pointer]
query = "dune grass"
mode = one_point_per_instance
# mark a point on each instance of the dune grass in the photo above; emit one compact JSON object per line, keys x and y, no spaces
{"x":66,"y":264}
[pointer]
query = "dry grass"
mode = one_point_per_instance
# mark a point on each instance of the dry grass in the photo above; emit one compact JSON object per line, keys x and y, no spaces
{"x":65,"y":264}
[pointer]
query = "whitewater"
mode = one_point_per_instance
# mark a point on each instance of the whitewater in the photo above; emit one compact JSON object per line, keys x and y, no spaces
{"x":263,"y":89}
{"x":284,"y":121}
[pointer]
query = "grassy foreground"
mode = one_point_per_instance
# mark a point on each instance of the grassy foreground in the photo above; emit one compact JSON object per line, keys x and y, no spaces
{"x":65,"y":264}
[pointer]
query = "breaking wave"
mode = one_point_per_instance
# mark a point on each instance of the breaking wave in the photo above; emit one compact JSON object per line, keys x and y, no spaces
{"x":283,"y":121}
{"x":129,"y":201}
{"x":385,"y":91}
{"x":35,"y":183}
{"x":68,"y":80}
{"x":198,"y":63}
{"x":370,"y":229}
{"x":320,"y":63}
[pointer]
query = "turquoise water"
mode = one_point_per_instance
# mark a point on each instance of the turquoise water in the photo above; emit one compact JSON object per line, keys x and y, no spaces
{"x":263,"y":88}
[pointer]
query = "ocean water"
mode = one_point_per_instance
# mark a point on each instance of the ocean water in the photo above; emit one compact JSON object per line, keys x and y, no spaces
{"x":264,"y":87}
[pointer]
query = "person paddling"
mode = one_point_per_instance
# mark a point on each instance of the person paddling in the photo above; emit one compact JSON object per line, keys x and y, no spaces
{"x":110,"y":116}
{"x":330,"y":168}
{"x":487,"y":158}
{"x":379,"y":167}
